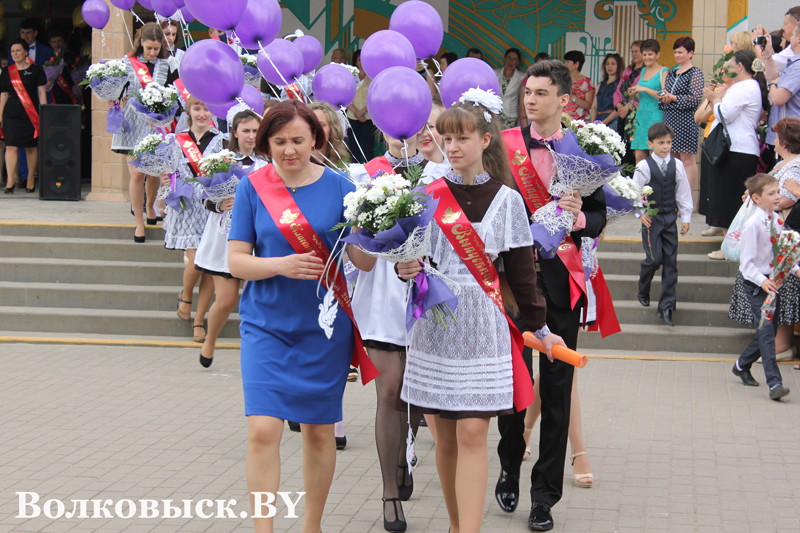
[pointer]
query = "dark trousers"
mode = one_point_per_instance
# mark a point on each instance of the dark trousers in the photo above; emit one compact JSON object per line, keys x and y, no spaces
{"x":763,"y":345}
{"x":662,"y":238}
{"x":555,"y":390}
{"x":361,"y":138}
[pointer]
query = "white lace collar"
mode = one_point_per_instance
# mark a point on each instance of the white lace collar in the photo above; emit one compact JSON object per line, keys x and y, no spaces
{"x":480,"y":179}
{"x":403,"y":161}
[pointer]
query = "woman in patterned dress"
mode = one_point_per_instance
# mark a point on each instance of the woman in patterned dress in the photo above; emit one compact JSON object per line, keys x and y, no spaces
{"x":683,"y":93}
{"x":462,"y":373}
{"x":184,"y":228}
{"x":582,"y":89}
{"x":150,"y":48}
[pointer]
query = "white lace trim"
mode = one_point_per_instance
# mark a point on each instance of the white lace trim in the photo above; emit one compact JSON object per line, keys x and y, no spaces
{"x":404,"y":162}
{"x":480,"y":179}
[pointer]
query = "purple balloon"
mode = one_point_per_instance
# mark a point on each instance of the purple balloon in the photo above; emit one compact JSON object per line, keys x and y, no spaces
{"x":165,"y":8}
{"x":125,"y":5}
{"x":260,"y":24}
{"x":212,"y":72}
{"x":187,"y":15}
{"x":146,"y":4}
{"x":178,"y":3}
{"x":384,"y":49}
{"x":219,"y":14}
{"x":96,"y":13}
{"x":312,"y":52}
{"x":334,"y":84}
{"x":251,"y":96}
{"x":399,"y":102}
{"x":421,"y":24}
{"x":286,"y":57}
{"x":466,"y":73}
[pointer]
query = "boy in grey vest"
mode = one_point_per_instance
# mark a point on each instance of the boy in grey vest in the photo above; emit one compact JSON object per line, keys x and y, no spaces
{"x":672,"y":195}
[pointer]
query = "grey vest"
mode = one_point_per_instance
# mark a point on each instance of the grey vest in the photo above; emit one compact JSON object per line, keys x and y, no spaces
{"x":663,"y":186}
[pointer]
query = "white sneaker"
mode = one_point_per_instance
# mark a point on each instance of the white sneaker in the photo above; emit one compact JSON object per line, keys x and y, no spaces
{"x":712,"y":231}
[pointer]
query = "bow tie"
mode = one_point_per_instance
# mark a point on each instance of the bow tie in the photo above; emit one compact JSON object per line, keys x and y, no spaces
{"x":539,"y":143}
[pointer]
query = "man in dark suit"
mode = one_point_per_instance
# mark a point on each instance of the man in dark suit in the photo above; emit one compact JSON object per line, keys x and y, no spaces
{"x":547,"y":92}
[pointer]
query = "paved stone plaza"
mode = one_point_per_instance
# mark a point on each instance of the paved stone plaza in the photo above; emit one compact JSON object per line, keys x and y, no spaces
{"x":675,"y":446}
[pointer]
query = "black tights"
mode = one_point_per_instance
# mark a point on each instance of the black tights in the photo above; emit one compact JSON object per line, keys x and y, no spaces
{"x":391,"y":426}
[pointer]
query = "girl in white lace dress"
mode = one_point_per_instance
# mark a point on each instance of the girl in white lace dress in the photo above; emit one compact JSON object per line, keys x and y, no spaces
{"x":184,"y":228}
{"x":463,"y":373}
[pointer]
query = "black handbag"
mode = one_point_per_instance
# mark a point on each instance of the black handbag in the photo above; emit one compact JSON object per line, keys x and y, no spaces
{"x":718,"y":143}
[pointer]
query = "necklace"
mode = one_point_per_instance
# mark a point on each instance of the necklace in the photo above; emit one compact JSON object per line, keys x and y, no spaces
{"x":294,"y":189}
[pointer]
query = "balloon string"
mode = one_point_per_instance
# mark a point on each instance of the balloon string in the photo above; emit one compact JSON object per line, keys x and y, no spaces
{"x":187,"y":36}
{"x":137,"y":17}
{"x":103,"y":44}
{"x":438,"y":67}
{"x":435,"y":142}
{"x":355,"y":137}
{"x":119,"y":14}
{"x":239,"y":99}
{"x":302,"y":89}
{"x":404,"y":151}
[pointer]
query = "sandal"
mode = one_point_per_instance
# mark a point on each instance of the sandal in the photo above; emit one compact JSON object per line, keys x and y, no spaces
{"x":576,"y":478}
{"x":527,"y":439}
{"x":184,"y":316}
{"x":405,"y":491}
{"x":195,"y":338}
{"x":353,"y":375}
{"x":796,"y":367}
{"x":717,"y":255}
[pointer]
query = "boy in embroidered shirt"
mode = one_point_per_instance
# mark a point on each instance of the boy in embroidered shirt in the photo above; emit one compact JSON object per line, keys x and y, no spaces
{"x":672,"y":195}
{"x":755,"y":265}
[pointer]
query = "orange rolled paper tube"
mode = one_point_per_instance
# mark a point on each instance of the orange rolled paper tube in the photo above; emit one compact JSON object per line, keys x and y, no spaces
{"x":562,"y":353}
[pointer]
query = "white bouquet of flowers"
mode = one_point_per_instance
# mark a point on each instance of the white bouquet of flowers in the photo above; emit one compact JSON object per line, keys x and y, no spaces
{"x":158,"y":104}
{"x":252,"y":76}
{"x":107,"y":79}
{"x":622,"y":194}
{"x":155,"y":155}
{"x":596,"y":139}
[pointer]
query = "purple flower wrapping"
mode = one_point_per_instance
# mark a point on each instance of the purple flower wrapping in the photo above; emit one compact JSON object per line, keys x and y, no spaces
{"x":160,"y":118}
{"x":180,"y":195}
{"x":615,"y":201}
{"x":54,"y":71}
{"x":116,"y":121}
{"x":215,"y":185}
{"x":253,"y":71}
{"x":427,"y":292}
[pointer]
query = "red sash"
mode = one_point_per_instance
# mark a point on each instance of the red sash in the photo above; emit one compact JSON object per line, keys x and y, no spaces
{"x":379,"y":163}
{"x":471,"y":249}
{"x":182,"y":90}
{"x":301,"y":236}
{"x":605,"y":315}
{"x":141,"y":72}
{"x":535,"y":195}
{"x":62,"y":84}
{"x":190,"y":149}
{"x":30,"y":109}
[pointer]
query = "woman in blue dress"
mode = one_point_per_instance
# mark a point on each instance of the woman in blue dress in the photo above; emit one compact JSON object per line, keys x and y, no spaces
{"x":650,"y":84}
{"x":292,"y":368}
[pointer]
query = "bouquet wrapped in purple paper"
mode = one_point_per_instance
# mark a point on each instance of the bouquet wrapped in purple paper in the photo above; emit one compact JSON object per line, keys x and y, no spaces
{"x":179,"y":193}
{"x":156,"y":155}
{"x":252,"y":76}
{"x":584,"y":161}
{"x":219,"y":176}
{"x":157,"y":104}
{"x":54,"y":70}
{"x":107,"y":81}
{"x":621,"y":196}
{"x":393,"y":215}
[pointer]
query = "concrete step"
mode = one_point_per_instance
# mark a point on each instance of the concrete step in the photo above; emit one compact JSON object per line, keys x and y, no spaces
{"x":86,"y":248}
{"x":688,"y":264}
{"x":692,"y":245}
{"x":645,"y":339}
{"x":40,"y":337}
{"x":687,"y":314}
{"x":141,"y":324}
{"x":44,"y":270}
{"x":56,"y":230}
{"x":700,"y":289}
{"x":92,"y":296}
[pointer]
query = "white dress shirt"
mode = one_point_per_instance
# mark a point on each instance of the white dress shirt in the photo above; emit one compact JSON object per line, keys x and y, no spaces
{"x":683,"y":191}
{"x":32,"y":53}
{"x":782,"y":58}
{"x":756,"y":249}
{"x":741,"y":109}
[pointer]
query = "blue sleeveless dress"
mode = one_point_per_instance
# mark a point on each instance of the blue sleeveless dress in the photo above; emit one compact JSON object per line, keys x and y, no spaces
{"x":648,"y":113}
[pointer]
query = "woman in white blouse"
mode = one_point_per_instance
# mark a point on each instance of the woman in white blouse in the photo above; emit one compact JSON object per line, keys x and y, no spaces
{"x":741,"y":106}
{"x":510,"y":78}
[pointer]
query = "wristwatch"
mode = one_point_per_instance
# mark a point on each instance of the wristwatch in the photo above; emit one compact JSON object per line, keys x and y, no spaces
{"x":771,"y":84}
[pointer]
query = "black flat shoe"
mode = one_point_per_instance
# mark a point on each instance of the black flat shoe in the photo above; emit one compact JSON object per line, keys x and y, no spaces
{"x":666,"y":316}
{"x":396,"y":525}
{"x":405,"y":491}
{"x":138,"y":239}
{"x":644,"y":300}
{"x":152,"y":221}
{"x":778,"y":392}
{"x":745,"y":375}
{"x":294,"y":426}
{"x":159,"y":219}
{"x":206,"y":361}
{"x":506,"y":492}
{"x":540,"y":518}
{"x":341,"y":443}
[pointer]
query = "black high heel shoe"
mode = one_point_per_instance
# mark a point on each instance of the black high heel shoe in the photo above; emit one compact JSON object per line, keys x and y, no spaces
{"x":405,"y":491}
{"x":9,"y":190}
{"x":397,"y":525}
{"x":137,"y":239}
{"x":32,"y":189}
{"x":206,"y":361}
{"x":152,"y":221}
